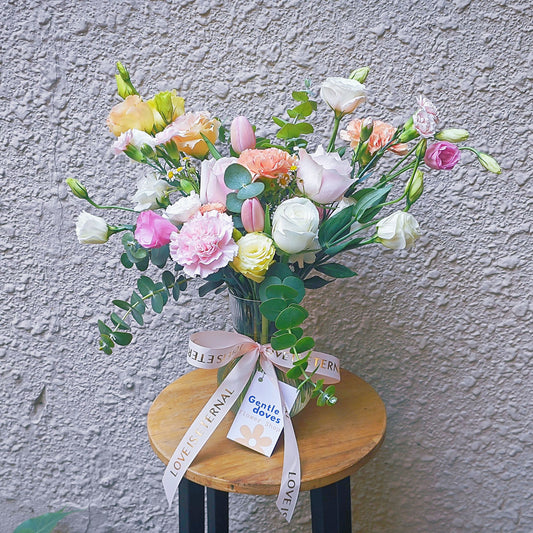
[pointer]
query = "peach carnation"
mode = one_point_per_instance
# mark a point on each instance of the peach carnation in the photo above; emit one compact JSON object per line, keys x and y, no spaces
{"x":381,"y":135}
{"x":213,"y":206}
{"x":270,"y":163}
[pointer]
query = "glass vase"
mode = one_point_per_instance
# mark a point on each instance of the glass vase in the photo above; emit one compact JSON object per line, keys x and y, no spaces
{"x":248,"y":320}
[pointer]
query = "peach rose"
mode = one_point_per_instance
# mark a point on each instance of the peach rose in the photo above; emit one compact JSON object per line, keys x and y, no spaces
{"x":131,"y":114}
{"x":270,"y":163}
{"x":186,"y":132}
{"x":381,"y":135}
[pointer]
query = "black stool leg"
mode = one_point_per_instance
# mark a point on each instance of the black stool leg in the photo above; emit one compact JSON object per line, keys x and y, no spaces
{"x":191,"y":507}
{"x":217,"y":511}
{"x":331,"y":508}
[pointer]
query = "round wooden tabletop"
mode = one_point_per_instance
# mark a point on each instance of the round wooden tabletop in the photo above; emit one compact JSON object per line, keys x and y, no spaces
{"x":333,"y":442}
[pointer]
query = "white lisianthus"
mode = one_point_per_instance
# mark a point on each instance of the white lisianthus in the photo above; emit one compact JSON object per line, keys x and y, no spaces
{"x":149,"y":191}
{"x":323,"y":177}
{"x":295,"y":226}
{"x":343,"y":95}
{"x":184,"y":209}
{"x":91,"y":229}
{"x":133,"y":137}
{"x":255,"y":255}
{"x":399,"y":230}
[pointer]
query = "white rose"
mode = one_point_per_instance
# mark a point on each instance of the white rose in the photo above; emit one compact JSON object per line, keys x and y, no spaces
{"x":133,"y":137}
{"x":399,"y":230}
{"x":295,"y":226}
{"x":323,"y":177}
{"x":91,"y":229}
{"x":343,"y":95}
{"x":149,"y":191}
{"x":184,"y":209}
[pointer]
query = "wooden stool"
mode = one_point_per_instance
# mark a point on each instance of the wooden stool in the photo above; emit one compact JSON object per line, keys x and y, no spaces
{"x":334,"y":442}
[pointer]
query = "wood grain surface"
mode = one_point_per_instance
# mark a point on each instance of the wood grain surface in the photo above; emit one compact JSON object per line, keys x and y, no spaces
{"x":333,"y":442}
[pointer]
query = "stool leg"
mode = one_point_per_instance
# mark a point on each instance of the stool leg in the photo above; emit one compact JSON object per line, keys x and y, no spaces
{"x":331,"y":508}
{"x":191,"y":507}
{"x":217,"y":511}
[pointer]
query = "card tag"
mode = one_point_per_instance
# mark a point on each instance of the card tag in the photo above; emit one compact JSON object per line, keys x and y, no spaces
{"x":259,"y":421}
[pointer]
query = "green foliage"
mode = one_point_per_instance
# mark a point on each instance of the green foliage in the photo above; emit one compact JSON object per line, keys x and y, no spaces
{"x":42,"y":524}
{"x":335,"y":270}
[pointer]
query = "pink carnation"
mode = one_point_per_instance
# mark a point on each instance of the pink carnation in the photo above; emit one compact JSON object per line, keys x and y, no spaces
{"x":204,"y":244}
{"x":153,"y":231}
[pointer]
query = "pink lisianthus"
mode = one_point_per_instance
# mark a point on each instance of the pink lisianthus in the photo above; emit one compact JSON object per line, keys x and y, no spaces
{"x":153,"y":231}
{"x":442,"y":155}
{"x":132,"y":137}
{"x":204,"y":244}
{"x":425,"y":120}
{"x":212,"y":186}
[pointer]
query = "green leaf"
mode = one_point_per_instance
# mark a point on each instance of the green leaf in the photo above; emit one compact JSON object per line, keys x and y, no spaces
{"x":251,"y":190}
{"x":267,"y":282}
{"x":103,"y":328}
{"x":145,"y":285}
{"x":297,"y":332}
{"x":168,"y":278}
{"x":292,"y":131}
{"x":281,"y":291}
{"x":295,"y":372}
{"x":282,"y":342}
{"x":157,"y":302}
{"x":370,"y":199}
{"x":304,"y":344}
{"x":346,"y":245}
{"x":302,"y":362}
{"x":279,"y":121}
{"x":233,"y":203}
{"x":212,"y":150}
{"x":236,"y":176}
{"x":298,"y":285}
{"x":138,"y":303}
{"x":209,"y":286}
{"x":122,"y":338}
{"x":122,"y":304}
{"x":315,"y":282}
{"x":176,"y":292}
{"x":160,"y":255}
{"x":304,"y":109}
{"x":291,"y":317}
{"x":272,"y":308}
{"x":300,"y":96}
{"x":335,"y":270}
{"x":119,"y":322}
{"x":42,"y":524}
{"x":126,"y":263}
{"x":137,"y":316}
{"x":336,"y":226}
{"x":142,"y":264}
{"x":281,"y":270}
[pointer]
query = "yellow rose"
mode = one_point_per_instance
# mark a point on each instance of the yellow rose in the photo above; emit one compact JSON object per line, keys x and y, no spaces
{"x":131,"y":114}
{"x":166,"y":107}
{"x":255,"y":255}
{"x":186,"y":132}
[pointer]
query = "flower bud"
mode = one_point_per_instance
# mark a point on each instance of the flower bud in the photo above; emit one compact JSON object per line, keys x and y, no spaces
{"x":242,"y":135}
{"x":124,"y":85}
{"x":415,"y":187}
{"x":453,"y":135}
{"x":489,"y":163}
{"x":398,"y":231}
{"x":166,"y":107}
{"x":360,"y":74}
{"x":91,"y":229}
{"x":409,"y":132}
{"x":367,"y":126}
{"x":421,"y":148}
{"x":77,"y":188}
{"x":252,"y":215}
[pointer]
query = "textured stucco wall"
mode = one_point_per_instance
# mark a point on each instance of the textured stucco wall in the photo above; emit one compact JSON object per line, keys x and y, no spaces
{"x":443,"y":332}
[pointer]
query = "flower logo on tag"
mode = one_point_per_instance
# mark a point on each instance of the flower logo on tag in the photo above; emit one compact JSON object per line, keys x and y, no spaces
{"x":253,"y":438}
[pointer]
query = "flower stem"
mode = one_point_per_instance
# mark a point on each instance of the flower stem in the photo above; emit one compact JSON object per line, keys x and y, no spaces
{"x":93,"y":203}
{"x":336,"y":124}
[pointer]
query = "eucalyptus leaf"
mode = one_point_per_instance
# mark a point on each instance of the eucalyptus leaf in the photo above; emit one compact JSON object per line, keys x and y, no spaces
{"x":145,"y":285}
{"x":233,"y":203}
{"x":298,"y":285}
{"x":159,"y":256}
{"x":168,"y":278}
{"x":124,"y":259}
{"x":272,"y":308}
{"x":122,"y":304}
{"x":304,"y":344}
{"x":292,"y":131}
{"x":282,"y":342}
{"x":300,"y":96}
{"x":250,"y":190}
{"x":295,"y":372}
{"x":122,"y":338}
{"x":119,"y":322}
{"x":236,"y":176}
{"x":281,"y":291}
{"x":291,"y":317}
{"x":267,"y":282}
{"x":138,"y":303}
{"x":143,"y":263}
{"x":157,"y":302}
{"x":103,"y":328}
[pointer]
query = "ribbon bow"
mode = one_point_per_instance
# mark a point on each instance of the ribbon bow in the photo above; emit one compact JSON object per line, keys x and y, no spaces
{"x":213,"y":349}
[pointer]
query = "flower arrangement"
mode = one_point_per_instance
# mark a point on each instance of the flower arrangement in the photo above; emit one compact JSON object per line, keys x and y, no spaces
{"x":264,"y":218}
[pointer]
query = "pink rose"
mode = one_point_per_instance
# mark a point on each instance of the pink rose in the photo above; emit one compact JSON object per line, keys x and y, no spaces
{"x":442,"y":155}
{"x":204,"y":244}
{"x":153,"y":231}
{"x":323,"y":177}
{"x":212,"y":186}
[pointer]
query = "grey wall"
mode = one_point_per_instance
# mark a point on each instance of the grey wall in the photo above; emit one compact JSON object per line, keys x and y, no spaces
{"x":443,"y":332}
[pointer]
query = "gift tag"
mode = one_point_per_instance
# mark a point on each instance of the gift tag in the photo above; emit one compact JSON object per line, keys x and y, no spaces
{"x":259,"y":421}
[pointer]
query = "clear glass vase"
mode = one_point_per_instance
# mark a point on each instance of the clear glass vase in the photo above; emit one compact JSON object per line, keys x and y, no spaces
{"x":248,"y":320}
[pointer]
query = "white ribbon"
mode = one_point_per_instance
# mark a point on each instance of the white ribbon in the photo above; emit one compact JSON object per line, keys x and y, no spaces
{"x":210,"y":349}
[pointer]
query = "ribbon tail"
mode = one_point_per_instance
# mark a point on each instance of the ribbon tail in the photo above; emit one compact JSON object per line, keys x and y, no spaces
{"x":291,"y":474}
{"x":199,"y":432}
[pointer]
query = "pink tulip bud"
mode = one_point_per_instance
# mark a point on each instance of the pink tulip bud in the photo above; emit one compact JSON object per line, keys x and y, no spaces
{"x":242,"y":134}
{"x":252,"y":215}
